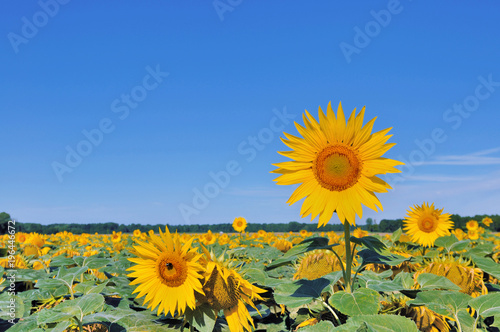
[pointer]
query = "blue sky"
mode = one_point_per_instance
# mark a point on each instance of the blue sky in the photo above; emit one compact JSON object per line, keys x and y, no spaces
{"x":129,"y":113}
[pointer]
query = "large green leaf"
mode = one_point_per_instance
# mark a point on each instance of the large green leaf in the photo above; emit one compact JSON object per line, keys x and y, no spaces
{"x":56,"y":287}
{"x":371,"y":242}
{"x":446,"y":242}
{"x":486,"y":305}
{"x":446,"y":303}
{"x":203,"y":318}
{"x":377,"y":323}
{"x":303,"y":247}
{"x":381,"y":257}
{"x":487,"y":265}
{"x":362,"y":301}
{"x":429,"y":281}
{"x":300,"y":292}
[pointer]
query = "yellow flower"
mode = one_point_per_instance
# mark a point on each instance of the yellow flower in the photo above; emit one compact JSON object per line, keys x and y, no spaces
{"x":424,"y":224}
{"x":303,"y":233}
{"x":116,"y":237}
{"x":359,"y":233}
{"x":36,"y":240}
{"x":487,"y":221}
{"x":472,"y":224}
{"x":239,"y":224}
{"x":283,"y":245}
{"x":208,"y":238}
{"x":337,"y":165}
{"x":317,"y":263}
{"x":137,"y":233}
{"x":167,"y":273}
{"x":224,"y":289}
{"x":459,"y":233}
{"x":473,"y":234}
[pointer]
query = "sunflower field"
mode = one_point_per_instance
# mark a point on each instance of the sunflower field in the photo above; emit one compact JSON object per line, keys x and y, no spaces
{"x":426,"y":276}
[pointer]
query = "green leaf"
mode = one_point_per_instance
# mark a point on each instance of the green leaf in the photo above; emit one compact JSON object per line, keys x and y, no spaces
{"x":203,"y":318}
{"x":446,"y":241}
{"x":46,"y":316}
{"x":61,"y":260}
{"x":90,"y":287}
{"x":487,"y":265}
{"x":446,"y":303}
{"x":55,"y":287}
{"x":295,"y":294}
{"x":303,"y":247}
{"x":382,"y":257}
{"x":481,"y":250}
{"x":460,"y":245}
{"x":362,"y":301}
{"x":486,"y":305}
{"x":94,"y":262}
{"x":466,"y":321}
{"x":430,"y":281}
{"x":396,"y":235}
{"x":379,"y":323}
{"x":371,"y":242}
{"x":256,"y":275}
{"x":322,"y":326}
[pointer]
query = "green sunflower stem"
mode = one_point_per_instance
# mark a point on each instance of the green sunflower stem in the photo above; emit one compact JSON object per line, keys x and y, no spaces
{"x":348,"y":256}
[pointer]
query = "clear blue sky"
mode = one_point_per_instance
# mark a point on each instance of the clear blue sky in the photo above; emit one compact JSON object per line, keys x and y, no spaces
{"x":171,"y":92}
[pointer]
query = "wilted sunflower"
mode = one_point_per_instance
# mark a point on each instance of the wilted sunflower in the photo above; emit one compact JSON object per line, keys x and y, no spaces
{"x":460,"y":271}
{"x":317,"y":263}
{"x":425,"y":224}
{"x":167,"y":273}
{"x":225,"y":289}
{"x":425,"y":319}
{"x":239,"y":224}
{"x":336,"y":164}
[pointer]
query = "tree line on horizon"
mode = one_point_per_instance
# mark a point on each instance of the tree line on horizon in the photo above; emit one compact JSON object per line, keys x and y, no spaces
{"x":385,"y":226}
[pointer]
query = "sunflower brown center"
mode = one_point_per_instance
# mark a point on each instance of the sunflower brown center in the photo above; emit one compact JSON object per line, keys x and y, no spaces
{"x":171,"y":269}
{"x":337,"y":167}
{"x":221,"y":295}
{"x":427,"y":224}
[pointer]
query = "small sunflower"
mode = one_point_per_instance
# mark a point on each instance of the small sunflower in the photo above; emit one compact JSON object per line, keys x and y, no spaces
{"x":359,"y":233}
{"x":473,"y":234}
{"x":472,"y":224}
{"x":224,"y":289}
{"x":167,"y":273}
{"x":336,"y":164}
{"x":487,"y":221}
{"x":425,"y":224}
{"x":239,"y":224}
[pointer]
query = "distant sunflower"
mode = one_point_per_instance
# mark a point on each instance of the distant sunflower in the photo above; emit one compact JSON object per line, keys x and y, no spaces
{"x":487,"y":221}
{"x":424,"y":224}
{"x":472,"y":224}
{"x":224,"y":289}
{"x":336,"y":164}
{"x":167,"y":273}
{"x":240,"y":224}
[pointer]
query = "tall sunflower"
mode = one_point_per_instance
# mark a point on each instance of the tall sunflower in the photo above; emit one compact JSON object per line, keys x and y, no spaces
{"x":225,"y":289}
{"x":167,"y":273}
{"x":424,"y":224}
{"x":239,"y":224}
{"x":336,"y":164}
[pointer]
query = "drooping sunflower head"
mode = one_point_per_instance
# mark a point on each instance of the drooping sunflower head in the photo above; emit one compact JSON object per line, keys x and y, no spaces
{"x":317,"y":263}
{"x":459,"y":271}
{"x":167,"y":273}
{"x":424,"y":224}
{"x":225,"y":289}
{"x":239,"y":224}
{"x":336,"y":164}
{"x":425,"y":319}
{"x":282,"y":245}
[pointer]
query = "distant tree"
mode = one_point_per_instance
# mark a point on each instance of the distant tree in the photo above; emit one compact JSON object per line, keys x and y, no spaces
{"x":369,"y":224}
{"x":4,"y":221}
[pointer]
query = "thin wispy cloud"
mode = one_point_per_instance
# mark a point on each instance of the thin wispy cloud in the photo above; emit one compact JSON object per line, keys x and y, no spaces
{"x":472,"y":159}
